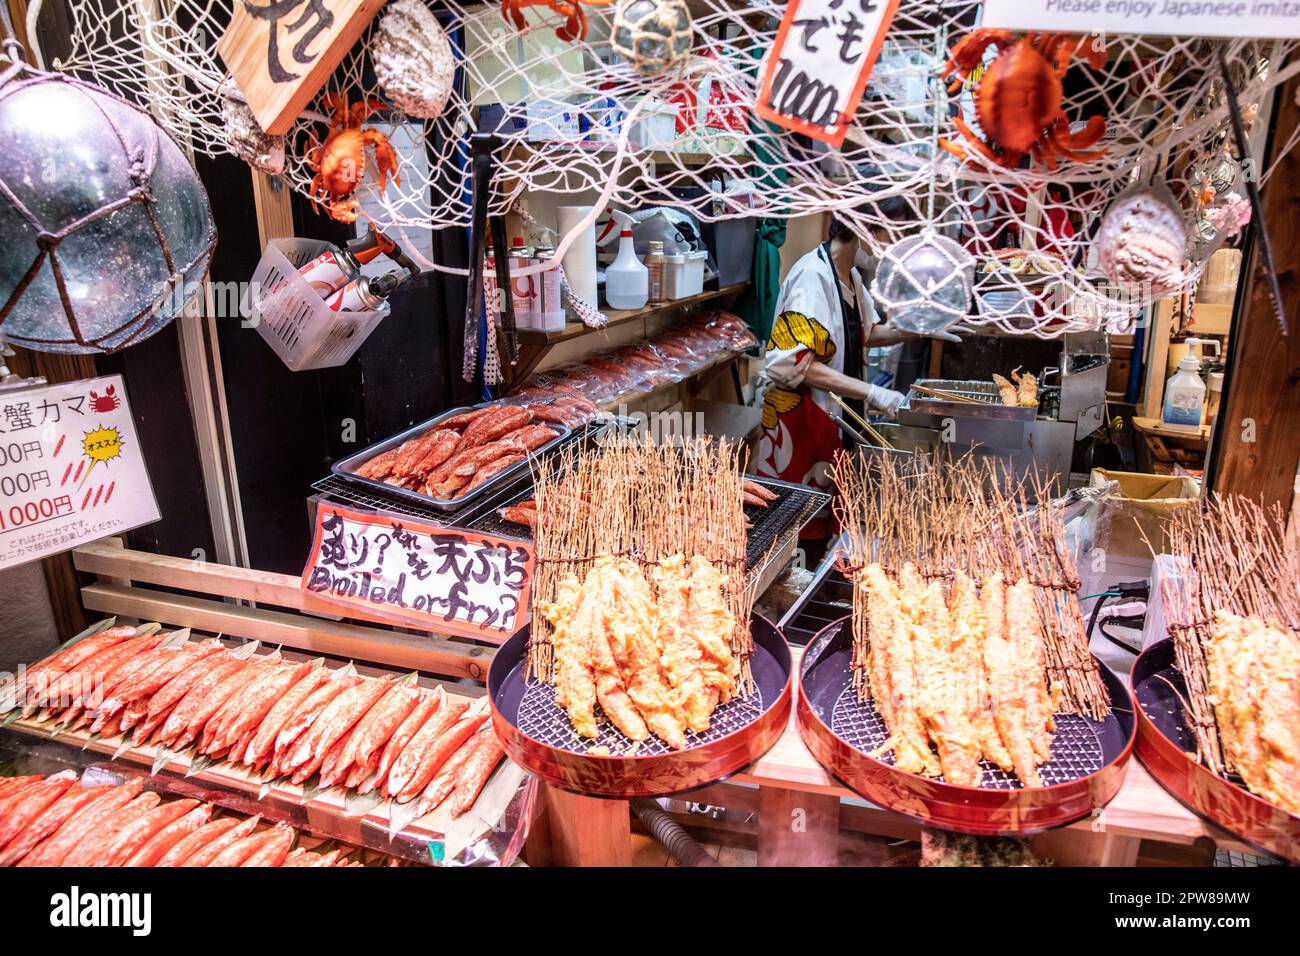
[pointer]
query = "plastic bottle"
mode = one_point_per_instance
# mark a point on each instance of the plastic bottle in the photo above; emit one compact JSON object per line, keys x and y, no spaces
{"x":654,"y":263}
{"x":627,"y":281}
{"x":1185,"y":395}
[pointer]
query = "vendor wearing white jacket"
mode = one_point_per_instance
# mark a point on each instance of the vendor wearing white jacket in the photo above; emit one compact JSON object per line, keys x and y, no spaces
{"x":825,"y":322}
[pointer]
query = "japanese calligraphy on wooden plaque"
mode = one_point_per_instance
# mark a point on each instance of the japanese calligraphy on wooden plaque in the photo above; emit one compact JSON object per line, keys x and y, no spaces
{"x":440,"y":579}
{"x":280,"y":52}
{"x":816,"y":72}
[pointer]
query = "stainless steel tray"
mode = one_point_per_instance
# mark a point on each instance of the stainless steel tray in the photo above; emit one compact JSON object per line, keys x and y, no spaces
{"x":985,"y":393}
{"x":347,"y":467}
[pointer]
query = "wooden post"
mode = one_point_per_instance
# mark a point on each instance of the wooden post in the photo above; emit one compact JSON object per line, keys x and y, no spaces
{"x":1256,"y":450}
{"x":588,"y":831}
{"x":797,"y":828}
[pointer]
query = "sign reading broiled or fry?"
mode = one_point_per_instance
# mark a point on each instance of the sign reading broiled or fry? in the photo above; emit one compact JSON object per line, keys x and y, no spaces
{"x":280,"y":52}
{"x":816,"y":72}
{"x":71,"y":468}
{"x":1266,"y":19}
{"x":432,"y":578}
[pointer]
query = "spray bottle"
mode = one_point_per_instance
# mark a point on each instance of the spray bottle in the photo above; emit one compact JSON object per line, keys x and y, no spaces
{"x":626,"y":279}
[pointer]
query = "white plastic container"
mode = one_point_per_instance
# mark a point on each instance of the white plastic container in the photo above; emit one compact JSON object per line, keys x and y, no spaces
{"x":627,"y":281}
{"x":291,"y":315}
{"x":684,"y":274}
{"x":1185,"y":396}
{"x":656,"y":125}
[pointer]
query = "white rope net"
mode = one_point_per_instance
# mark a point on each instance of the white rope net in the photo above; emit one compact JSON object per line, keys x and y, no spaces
{"x":575,"y":119}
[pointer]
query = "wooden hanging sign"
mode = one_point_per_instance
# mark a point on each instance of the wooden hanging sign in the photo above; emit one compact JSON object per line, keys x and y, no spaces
{"x":401,"y":569}
{"x":281,"y":52}
{"x":816,"y":72}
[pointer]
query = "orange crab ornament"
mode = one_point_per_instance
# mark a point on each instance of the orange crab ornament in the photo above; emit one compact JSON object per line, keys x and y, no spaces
{"x":1018,"y":99}
{"x":575,"y":20}
{"x":340,"y":162}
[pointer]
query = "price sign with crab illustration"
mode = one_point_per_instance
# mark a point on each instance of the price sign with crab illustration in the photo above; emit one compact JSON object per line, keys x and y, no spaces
{"x":816,"y":72}
{"x":71,"y":468}
{"x":410,"y":572}
{"x":280,"y":52}
{"x":1265,"y":19}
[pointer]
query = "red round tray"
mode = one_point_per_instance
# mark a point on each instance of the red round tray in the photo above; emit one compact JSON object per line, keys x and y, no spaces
{"x":1089,"y":757}
{"x":1165,"y":746}
{"x":539,"y":737}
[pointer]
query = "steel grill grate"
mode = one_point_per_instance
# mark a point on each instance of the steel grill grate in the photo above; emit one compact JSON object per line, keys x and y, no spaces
{"x":768,"y":526}
{"x":1076,"y":750}
{"x":543,"y":720}
{"x":790,"y":512}
{"x":344,"y":492}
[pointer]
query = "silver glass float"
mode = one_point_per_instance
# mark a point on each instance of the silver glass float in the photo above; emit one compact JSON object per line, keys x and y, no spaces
{"x":924,"y":283}
{"x":652,"y":35}
{"x":107,"y":232}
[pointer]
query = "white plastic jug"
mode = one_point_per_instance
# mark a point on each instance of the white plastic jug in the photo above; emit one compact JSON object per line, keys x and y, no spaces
{"x":1185,"y":395}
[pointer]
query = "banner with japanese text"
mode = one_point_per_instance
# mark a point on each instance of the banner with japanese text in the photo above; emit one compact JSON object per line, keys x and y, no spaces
{"x":815,"y":74}
{"x":424,"y":576}
{"x":71,"y":468}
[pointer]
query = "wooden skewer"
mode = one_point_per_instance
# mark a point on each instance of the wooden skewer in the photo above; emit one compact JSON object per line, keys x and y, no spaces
{"x":862,"y":422}
{"x":951,"y":396}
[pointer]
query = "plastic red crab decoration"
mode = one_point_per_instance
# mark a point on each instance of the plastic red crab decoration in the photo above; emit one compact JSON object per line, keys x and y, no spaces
{"x":1018,"y":99}
{"x":575,"y":21}
{"x":340,"y":162}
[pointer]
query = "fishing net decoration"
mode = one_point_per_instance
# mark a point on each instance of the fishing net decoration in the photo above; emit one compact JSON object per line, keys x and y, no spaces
{"x":1028,"y":229}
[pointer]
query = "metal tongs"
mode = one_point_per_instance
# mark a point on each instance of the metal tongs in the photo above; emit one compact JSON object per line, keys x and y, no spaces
{"x":877,"y":438}
{"x":482,"y":146}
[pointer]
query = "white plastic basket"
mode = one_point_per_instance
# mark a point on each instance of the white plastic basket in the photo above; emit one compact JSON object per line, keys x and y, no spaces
{"x":292,"y":316}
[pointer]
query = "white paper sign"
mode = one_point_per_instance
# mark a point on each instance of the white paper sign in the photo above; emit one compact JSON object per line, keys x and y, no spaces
{"x":421,"y":575}
{"x":1190,"y":18}
{"x":817,"y":70}
{"x":71,"y":468}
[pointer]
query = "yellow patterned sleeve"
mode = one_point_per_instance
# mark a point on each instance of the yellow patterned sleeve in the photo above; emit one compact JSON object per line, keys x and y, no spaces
{"x":793,"y":329}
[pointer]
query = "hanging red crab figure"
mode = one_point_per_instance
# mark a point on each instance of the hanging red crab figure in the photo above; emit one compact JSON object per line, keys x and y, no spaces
{"x":1018,"y":99}
{"x":340,"y":162}
{"x":574,"y":26}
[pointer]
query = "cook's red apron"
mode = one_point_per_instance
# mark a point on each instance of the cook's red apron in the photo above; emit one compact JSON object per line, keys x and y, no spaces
{"x":799,"y":439}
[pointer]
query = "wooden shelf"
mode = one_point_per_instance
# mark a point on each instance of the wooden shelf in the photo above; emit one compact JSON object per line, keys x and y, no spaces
{"x":534,"y":346}
{"x":618,"y":317}
{"x":674,"y":388}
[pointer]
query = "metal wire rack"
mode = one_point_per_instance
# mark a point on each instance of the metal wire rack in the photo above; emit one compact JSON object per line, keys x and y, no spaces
{"x":1076,"y":749}
{"x":544,"y":721}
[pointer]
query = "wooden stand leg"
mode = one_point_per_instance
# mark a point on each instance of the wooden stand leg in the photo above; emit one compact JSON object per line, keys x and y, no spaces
{"x":797,"y":828}
{"x":1076,"y":846}
{"x":586,"y":831}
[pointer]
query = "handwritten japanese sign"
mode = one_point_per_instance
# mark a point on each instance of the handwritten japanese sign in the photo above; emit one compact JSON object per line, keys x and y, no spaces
{"x":280,"y":52}
{"x":817,"y":70}
{"x":443,"y":579}
{"x":71,"y":468}
{"x":1266,"y":19}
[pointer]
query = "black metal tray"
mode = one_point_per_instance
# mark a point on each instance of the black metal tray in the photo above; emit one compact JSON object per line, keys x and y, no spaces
{"x":347,"y":467}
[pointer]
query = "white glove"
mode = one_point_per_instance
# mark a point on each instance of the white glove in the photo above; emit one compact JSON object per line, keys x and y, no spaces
{"x":885,"y":399}
{"x":946,"y":336}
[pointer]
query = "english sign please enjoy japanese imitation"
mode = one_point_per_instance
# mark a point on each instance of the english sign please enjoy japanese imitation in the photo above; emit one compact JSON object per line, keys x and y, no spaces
{"x":1279,"y":19}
